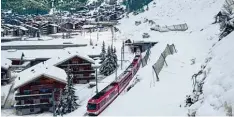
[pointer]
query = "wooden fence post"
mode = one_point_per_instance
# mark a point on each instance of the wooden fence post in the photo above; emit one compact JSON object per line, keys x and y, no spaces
{"x":156,"y":73}
{"x":174,"y":48}
{"x":168,"y":46}
{"x":164,"y":59}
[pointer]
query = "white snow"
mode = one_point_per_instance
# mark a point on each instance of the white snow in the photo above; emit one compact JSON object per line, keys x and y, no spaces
{"x":46,"y":42}
{"x":219,"y":84}
{"x":4,"y":93}
{"x":5,"y":63}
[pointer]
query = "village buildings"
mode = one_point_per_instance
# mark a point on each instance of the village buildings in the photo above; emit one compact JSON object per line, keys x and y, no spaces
{"x":35,"y":85}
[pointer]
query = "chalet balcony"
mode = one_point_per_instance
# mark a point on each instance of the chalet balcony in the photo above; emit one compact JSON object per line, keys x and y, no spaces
{"x":19,"y":96}
{"x":38,"y":87}
{"x":36,"y":105}
{"x":75,"y":64}
{"x":84,"y":77}
{"x":83,"y":71}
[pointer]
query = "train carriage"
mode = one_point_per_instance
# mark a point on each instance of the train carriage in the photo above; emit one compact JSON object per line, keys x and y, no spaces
{"x":105,"y":97}
{"x":102,"y":99}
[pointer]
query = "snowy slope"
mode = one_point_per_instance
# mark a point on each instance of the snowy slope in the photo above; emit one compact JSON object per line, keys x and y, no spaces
{"x":219,"y":85}
{"x":165,"y":97}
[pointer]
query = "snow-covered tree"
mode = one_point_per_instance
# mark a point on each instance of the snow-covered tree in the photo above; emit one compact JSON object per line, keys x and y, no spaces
{"x":114,"y":50}
{"x":61,"y":108}
{"x":110,"y":62}
{"x":71,"y":97}
{"x":67,"y":102}
{"x":114,"y":57}
{"x":103,"y":53}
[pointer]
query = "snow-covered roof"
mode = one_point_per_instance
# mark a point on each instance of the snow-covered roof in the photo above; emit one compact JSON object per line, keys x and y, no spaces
{"x":68,"y":55}
{"x":55,"y":25}
{"x":28,"y":26}
{"x":38,"y":70}
{"x":22,"y":28}
{"x":50,"y":53}
{"x":8,"y":25}
{"x":88,"y":26}
{"x":2,"y":30}
{"x":5,"y":63}
{"x":46,"y":42}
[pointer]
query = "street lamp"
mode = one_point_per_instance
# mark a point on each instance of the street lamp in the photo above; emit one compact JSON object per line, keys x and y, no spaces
{"x":96,"y":66}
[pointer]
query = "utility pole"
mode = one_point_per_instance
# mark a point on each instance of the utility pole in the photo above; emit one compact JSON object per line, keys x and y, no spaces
{"x":97,"y":33}
{"x":112,"y":35}
{"x":116,"y":73}
{"x":96,"y":80}
{"x":90,"y":34}
{"x":123,"y":50}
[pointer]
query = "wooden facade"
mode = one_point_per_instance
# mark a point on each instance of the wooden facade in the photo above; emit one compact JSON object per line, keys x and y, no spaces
{"x":36,"y":96}
{"x":80,"y":68}
{"x":5,"y":76}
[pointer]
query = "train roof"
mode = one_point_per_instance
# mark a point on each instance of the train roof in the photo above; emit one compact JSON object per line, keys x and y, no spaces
{"x":126,"y":72}
{"x":102,"y":92}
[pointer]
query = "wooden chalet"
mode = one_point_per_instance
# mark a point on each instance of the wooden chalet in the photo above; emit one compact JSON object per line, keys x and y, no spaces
{"x":37,"y":88}
{"x":68,"y":25}
{"x":79,"y":64}
{"x":32,"y":31}
{"x":7,"y":29}
{"x":20,"y":31}
{"x":5,"y":71}
{"x":49,"y":28}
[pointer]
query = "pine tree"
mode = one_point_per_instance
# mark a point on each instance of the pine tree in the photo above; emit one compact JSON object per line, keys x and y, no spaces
{"x":60,"y":109}
{"x":114,"y":50}
{"x":114,"y":58}
{"x":67,"y":102}
{"x":71,"y":97}
{"x":110,"y":63}
{"x":103,"y":53}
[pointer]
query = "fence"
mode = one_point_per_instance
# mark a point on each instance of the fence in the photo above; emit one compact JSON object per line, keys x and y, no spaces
{"x":146,"y":57}
{"x":157,"y":67}
{"x":179,"y":27}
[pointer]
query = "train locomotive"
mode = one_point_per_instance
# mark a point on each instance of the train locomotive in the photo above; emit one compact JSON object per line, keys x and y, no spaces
{"x":106,"y":96}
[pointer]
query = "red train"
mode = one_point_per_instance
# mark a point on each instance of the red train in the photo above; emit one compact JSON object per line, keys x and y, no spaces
{"x":105,"y":97}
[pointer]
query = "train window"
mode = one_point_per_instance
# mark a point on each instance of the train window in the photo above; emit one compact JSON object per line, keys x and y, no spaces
{"x":92,"y":106}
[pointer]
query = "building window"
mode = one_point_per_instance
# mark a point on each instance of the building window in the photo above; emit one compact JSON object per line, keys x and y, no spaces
{"x":31,"y":109}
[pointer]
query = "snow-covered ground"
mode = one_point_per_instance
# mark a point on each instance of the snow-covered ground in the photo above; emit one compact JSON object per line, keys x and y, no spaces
{"x":4,"y":93}
{"x":167,"y":97}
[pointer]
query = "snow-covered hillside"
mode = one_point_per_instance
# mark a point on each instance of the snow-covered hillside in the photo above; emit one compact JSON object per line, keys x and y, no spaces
{"x":166,"y":96}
